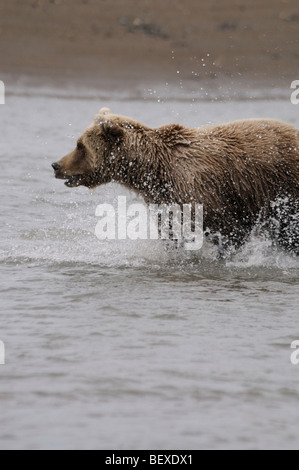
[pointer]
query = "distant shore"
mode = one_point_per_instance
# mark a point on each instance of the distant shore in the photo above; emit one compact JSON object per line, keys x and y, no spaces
{"x":134,"y":44}
{"x":208,"y":91}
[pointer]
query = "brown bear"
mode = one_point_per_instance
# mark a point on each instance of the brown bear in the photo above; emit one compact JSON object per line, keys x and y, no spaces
{"x":241,"y":171}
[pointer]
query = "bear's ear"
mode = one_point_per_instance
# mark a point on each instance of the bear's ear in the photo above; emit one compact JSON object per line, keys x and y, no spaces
{"x":111,"y":131}
{"x":102,"y":114}
{"x":105,"y":111}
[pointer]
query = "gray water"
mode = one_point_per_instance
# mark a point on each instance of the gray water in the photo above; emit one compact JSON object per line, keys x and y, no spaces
{"x":123,"y":345}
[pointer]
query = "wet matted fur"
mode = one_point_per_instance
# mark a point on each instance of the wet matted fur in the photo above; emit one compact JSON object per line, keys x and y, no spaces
{"x":236,"y":170}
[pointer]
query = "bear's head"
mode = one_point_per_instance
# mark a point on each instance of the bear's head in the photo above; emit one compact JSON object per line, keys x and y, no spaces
{"x":98,"y":154}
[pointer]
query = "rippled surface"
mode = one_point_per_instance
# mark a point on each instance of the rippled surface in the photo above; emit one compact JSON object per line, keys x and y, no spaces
{"x":123,"y":344}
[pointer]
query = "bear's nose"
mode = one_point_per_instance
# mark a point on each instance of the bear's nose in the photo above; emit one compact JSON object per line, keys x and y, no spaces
{"x":56,"y":166}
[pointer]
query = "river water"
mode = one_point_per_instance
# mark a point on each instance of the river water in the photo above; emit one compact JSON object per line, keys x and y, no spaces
{"x":122,"y":344}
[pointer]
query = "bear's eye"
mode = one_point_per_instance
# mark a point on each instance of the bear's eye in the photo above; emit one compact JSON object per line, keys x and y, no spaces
{"x":80,"y":146}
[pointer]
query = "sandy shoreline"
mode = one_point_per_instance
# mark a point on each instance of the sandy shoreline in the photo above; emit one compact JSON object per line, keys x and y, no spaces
{"x":186,"y":91}
{"x":127,"y":43}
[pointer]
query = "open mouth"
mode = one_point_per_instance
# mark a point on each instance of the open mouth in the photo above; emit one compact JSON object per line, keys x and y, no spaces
{"x":73,"y":181}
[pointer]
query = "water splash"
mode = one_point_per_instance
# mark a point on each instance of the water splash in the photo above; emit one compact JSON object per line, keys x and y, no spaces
{"x":72,"y":242}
